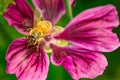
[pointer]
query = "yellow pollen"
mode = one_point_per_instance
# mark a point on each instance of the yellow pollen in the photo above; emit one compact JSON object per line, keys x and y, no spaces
{"x":41,"y":29}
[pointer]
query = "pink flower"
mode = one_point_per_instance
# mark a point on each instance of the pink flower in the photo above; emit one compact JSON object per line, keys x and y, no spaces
{"x":88,"y":34}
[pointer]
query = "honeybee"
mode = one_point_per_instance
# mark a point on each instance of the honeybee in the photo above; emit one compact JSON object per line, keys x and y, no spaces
{"x":41,"y":28}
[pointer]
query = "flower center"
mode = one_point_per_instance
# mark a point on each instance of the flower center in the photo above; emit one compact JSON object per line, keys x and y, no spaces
{"x":39,"y":31}
{"x":42,"y":34}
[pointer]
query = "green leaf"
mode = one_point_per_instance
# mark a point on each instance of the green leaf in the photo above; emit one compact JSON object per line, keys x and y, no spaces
{"x":4,"y":4}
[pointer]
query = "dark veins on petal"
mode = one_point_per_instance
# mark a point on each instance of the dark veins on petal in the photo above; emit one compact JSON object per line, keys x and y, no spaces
{"x":19,"y":15}
{"x":23,"y":59}
{"x":79,"y":62}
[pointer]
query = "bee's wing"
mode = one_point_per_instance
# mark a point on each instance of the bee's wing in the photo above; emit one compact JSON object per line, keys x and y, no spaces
{"x":37,"y":17}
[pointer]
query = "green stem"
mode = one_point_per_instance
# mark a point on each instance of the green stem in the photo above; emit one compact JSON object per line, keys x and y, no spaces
{"x":68,"y":8}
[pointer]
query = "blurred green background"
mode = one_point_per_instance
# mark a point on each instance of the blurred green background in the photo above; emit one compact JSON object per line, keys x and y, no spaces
{"x":8,"y":34}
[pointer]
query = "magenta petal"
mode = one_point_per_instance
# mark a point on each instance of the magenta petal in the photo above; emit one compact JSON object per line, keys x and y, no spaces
{"x":19,"y":15}
{"x":92,"y":29}
{"x":27,"y":62}
{"x":24,"y":8}
{"x":51,"y":10}
{"x":79,"y":62}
